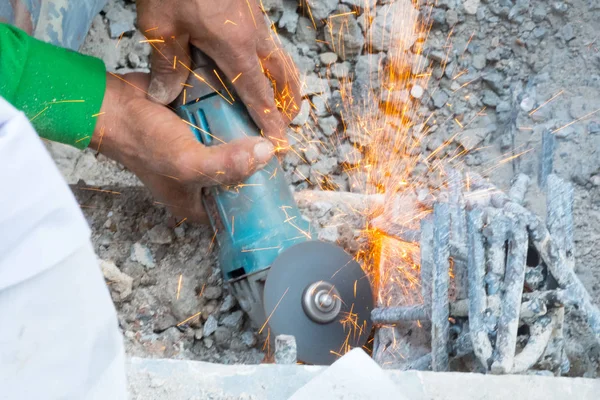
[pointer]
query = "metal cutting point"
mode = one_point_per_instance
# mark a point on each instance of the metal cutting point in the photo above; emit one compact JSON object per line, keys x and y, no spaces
{"x":318,"y":293}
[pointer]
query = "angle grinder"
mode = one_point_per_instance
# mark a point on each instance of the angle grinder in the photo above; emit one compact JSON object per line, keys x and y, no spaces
{"x":287,"y":282}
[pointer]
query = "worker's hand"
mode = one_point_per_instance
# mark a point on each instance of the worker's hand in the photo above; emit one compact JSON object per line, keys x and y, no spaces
{"x":155,"y":144}
{"x":234,"y":34}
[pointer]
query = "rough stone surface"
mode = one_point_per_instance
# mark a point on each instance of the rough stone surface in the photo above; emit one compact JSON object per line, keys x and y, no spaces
{"x":186,"y":379}
{"x":120,"y":284}
{"x":343,"y":34}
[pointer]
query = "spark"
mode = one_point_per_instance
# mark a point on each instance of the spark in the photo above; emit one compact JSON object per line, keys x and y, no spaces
{"x":65,"y":101}
{"x":342,"y":14}
{"x":577,"y":120}
{"x":212,"y":241}
{"x":134,"y":86}
{"x":152,"y":41}
{"x":546,"y":102}
{"x":38,"y":114}
{"x":83,"y":138}
{"x":203,"y":131}
{"x":119,"y":41}
{"x":236,"y":77}
{"x":100,"y":190}
{"x":274,"y":309}
{"x":201,"y":79}
{"x":179,"y":286}
{"x":252,"y":13}
{"x":174,"y":62}
{"x":230,"y":22}
{"x":224,"y":85}
{"x":98,"y":114}
{"x":151,"y":29}
{"x":101,"y":137}
{"x":181,"y":222}
{"x":189,"y":319}
{"x":468,"y":42}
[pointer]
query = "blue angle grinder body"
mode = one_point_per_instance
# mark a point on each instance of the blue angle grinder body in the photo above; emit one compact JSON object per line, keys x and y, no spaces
{"x":284,"y":279}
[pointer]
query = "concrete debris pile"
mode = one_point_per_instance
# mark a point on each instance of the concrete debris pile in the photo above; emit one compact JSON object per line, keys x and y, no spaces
{"x":513,"y":277}
{"x":485,"y":86}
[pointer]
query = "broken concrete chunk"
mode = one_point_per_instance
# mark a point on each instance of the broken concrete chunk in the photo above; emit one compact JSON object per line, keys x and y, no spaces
{"x":289,"y":18}
{"x":341,"y":70}
{"x":440,"y":98}
{"x":210,"y":326}
{"x":325,"y":166}
{"x":362,"y":4}
{"x":471,"y":138}
{"x":120,"y":20}
{"x":343,"y":34}
{"x":388,"y":29}
{"x":314,"y":85}
{"x":348,"y":154}
{"x":329,"y":234}
{"x":249,"y":339}
{"x":328,"y":125}
{"x":471,"y":6}
{"x":142,"y":254}
{"x":228,"y":303}
{"x":120,"y":284}
{"x":212,"y":292}
{"x":302,"y":116}
{"x":160,"y":234}
{"x":285,"y":349}
{"x":328,"y":58}
{"x":234,"y":321}
{"x":320,"y":9}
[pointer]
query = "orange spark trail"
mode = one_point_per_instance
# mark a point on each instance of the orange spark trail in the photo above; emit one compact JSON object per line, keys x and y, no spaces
{"x":274,"y":309}
{"x":189,"y":319}
{"x":179,"y":286}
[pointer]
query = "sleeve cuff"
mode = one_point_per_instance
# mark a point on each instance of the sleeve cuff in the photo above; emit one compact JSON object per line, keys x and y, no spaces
{"x":61,"y":93}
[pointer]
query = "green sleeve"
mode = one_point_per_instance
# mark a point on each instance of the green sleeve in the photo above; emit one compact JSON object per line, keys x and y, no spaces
{"x":59,"y":90}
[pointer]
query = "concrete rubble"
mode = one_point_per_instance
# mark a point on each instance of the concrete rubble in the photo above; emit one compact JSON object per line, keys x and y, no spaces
{"x":495,"y":88}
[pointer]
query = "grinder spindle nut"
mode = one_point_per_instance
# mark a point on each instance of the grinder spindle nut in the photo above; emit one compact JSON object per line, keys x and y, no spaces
{"x":321,"y":302}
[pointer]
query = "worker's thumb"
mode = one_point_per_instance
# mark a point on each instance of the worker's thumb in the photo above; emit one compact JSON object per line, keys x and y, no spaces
{"x":170,"y":68}
{"x":226,"y":164}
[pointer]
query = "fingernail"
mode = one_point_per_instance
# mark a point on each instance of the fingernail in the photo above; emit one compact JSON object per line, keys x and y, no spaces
{"x":263,"y":152}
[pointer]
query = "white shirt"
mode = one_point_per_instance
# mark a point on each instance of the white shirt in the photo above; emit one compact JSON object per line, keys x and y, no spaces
{"x":38,"y":213}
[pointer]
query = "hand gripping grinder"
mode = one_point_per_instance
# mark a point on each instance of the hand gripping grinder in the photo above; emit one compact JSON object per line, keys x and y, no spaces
{"x":287,"y":282}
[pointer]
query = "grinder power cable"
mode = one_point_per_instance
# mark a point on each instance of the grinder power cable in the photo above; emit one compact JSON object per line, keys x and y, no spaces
{"x":287,"y":282}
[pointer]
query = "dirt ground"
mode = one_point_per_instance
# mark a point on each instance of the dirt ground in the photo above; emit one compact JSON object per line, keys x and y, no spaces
{"x":500,"y":73}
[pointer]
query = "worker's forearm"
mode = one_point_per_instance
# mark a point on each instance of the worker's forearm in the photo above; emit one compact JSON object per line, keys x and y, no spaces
{"x":60,"y":91}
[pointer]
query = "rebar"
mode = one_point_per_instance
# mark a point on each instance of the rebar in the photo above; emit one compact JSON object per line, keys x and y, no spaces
{"x":508,"y":323}
{"x":393,"y":315}
{"x":539,"y":335}
{"x":519,"y":188}
{"x":477,"y":298}
{"x":546,"y":157}
{"x":458,"y":230}
{"x":440,"y":309}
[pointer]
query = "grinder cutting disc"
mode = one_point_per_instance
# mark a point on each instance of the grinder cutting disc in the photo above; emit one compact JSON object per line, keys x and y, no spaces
{"x":316,"y":292}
